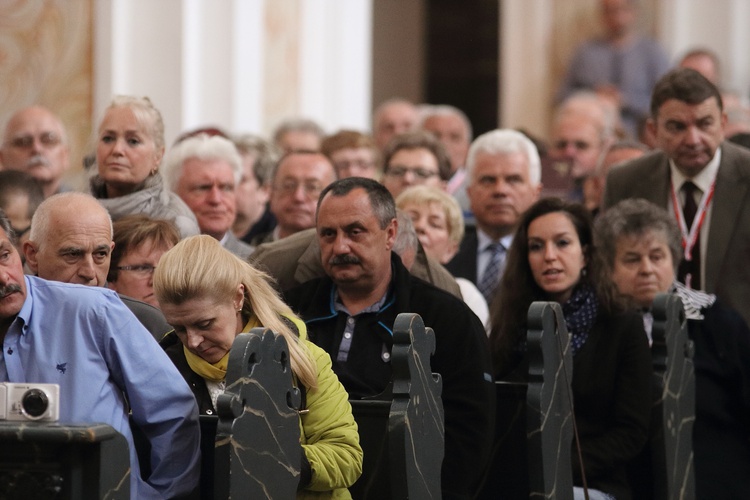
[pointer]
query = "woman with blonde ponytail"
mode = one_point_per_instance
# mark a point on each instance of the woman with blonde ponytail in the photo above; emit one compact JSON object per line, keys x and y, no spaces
{"x":210,"y":296}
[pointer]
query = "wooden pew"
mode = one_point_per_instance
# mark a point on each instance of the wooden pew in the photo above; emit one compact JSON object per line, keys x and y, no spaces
{"x":667,"y":472}
{"x":534,"y":418}
{"x":402,"y":429}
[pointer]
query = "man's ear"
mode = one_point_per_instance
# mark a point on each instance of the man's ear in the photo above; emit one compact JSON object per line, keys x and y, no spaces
{"x":30,"y":251}
{"x":391,"y":231}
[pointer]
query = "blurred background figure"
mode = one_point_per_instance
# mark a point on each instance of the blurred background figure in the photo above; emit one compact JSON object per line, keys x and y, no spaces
{"x":298,"y":134}
{"x":35,"y":142}
{"x":353,"y":154}
{"x":129,"y":151}
{"x":139,"y":244}
{"x":20,"y":196}
{"x":453,"y":129}
{"x":705,"y":62}
{"x":616,"y":154}
{"x":391,"y":118}
{"x":415,"y":158}
{"x":259,"y":158}
{"x":621,"y":66}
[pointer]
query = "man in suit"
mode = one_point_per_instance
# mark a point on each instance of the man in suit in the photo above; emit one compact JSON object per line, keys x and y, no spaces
{"x":504,"y":174}
{"x":204,"y":171}
{"x":703,"y":180}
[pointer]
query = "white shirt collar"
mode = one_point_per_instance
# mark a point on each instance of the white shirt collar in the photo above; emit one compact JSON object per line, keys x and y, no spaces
{"x":705,"y":177}
{"x":483,"y":241}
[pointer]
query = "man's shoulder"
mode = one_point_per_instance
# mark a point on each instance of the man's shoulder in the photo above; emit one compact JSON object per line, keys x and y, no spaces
{"x":149,"y":316}
{"x":735,"y":157}
{"x":281,"y":259}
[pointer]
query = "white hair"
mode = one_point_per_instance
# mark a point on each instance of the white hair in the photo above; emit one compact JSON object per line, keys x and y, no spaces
{"x":506,"y":141}
{"x":202,"y":147}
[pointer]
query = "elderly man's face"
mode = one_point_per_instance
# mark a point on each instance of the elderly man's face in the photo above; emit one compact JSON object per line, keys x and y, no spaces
{"x":643,"y":266}
{"x":35,"y":143}
{"x":451,"y":131}
{"x":689,"y":133}
{"x":394,"y":119}
{"x":577,"y":139}
{"x":355,"y":251}
{"x":12,"y":284}
{"x":208,"y":188}
{"x":500,"y":190}
{"x":297,"y":183}
{"x":77,"y":248}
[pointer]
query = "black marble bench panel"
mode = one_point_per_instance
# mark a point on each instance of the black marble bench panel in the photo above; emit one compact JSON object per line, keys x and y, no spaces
{"x":402,"y":429}
{"x":534,"y":416}
{"x":53,"y":461}
{"x":673,"y":413}
{"x":258,"y":452}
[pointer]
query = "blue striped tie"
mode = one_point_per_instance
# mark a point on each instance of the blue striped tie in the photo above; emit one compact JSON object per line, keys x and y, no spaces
{"x":491,"y":276}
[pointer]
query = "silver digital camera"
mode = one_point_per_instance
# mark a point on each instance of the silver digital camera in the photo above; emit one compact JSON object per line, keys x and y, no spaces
{"x":22,"y":402}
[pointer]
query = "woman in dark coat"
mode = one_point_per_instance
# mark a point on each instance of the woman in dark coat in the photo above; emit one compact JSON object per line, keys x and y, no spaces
{"x":553,"y":258}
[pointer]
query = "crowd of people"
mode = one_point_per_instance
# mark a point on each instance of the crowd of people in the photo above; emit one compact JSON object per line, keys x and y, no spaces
{"x":166,"y":253}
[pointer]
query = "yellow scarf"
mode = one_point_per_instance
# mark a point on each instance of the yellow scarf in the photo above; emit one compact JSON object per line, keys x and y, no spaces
{"x":215,"y":372}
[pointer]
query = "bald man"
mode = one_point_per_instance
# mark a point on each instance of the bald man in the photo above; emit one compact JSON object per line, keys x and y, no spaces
{"x":35,"y":142}
{"x":71,"y":241}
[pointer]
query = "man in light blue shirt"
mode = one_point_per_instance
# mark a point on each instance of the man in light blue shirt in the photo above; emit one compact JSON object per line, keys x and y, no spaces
{"x":85,"y":339}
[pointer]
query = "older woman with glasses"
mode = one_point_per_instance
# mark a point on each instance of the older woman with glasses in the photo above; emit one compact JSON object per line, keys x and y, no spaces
{"x":210,"y":296}
{"x":139,"y":244}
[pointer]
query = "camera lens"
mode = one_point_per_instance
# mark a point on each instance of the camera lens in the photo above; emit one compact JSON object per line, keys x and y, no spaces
{"x":34,"y":403}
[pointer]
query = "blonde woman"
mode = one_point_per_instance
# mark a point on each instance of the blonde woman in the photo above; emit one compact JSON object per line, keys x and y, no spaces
{"x":439,"y":224}
{"x":129,"y":151}
{"x":210,"y":296}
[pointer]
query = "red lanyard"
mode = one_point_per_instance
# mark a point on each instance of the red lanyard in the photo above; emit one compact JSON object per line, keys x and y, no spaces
{"x":690,"y":236}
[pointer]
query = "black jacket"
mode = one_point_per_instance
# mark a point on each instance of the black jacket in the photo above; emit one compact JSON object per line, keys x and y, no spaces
{"x":461,"y":358}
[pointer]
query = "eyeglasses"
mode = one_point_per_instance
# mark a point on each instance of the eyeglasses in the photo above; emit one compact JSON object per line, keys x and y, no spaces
{"x":420,"y":173}
{"x":352,"y":164}
{"x":312,"y":189}
{"x":47,"y":139}
{"x":579,"y":145}
{"x":142,"y":271}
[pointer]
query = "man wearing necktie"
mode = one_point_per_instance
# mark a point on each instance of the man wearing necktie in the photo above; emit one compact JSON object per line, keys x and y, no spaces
{"x":703,"y":180}
{"x":504,"y":179}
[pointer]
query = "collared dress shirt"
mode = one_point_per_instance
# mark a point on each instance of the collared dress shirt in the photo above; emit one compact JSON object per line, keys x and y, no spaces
{"x":87,"y":341}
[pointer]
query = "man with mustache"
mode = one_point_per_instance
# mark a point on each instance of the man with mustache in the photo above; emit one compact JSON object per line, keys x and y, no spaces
{"x":350,"y":313}
{"x":35,"y":142}
{"x":702,"y":180}
{"x":504,"y":179}
{"x":108,"y":367}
